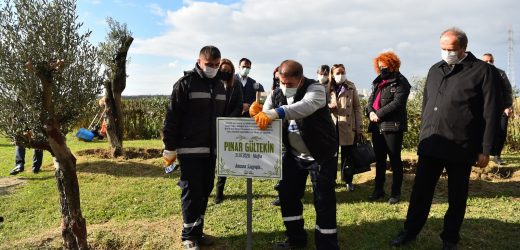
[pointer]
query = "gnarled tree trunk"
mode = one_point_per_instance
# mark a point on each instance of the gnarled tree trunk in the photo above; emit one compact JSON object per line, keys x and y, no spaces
{"x":113,"y":92}
{"x":73,"y":225}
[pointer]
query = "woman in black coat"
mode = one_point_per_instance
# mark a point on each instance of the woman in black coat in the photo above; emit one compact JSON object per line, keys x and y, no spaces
{"x":234,"y":101}
{"x":386,"y":110}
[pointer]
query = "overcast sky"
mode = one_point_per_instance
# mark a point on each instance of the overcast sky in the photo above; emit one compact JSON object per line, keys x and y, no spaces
{"x":169,"y":34}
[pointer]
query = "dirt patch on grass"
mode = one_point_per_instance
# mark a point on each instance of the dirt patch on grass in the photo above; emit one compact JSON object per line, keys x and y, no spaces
{"x":128,"y":153}
{"x":491,"y":172}
{"x":136,"y":234}
{"x":120,"y":235}
{"x":7,"y":184}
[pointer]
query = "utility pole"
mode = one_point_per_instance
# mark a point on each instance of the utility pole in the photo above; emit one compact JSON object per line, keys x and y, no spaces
{"x":510,"y":57}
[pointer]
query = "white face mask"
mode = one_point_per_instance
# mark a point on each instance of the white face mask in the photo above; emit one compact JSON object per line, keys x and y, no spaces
{"x":450,"y":57}
{"x":322,"y":78}
{"x":339,"y":78}
{"x":288,"y":92}
{"x":244,"y":71}
{"x":210,"y":72}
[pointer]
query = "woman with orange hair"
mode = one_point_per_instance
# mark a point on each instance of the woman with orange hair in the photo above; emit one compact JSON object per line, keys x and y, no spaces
{"x":386,"y":109}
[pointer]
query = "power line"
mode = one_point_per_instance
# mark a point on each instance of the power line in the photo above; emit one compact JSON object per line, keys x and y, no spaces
{"x":510,"y":55}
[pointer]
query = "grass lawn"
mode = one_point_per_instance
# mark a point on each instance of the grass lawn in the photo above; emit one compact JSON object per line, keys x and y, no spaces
{"x":132,"y":204}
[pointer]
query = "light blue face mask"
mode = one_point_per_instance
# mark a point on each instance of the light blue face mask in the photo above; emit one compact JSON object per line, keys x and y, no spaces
{"x":288,"y":92}
{"x":244,"y":71}
{"x":210,"y":72}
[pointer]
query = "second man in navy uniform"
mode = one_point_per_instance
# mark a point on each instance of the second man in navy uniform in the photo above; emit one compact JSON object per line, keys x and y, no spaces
{"x":250,"y":88}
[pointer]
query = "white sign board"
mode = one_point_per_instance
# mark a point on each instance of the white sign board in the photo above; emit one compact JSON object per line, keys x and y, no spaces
{"x":243,"y":150}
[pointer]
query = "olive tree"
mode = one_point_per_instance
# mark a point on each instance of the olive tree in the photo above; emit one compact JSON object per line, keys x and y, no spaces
{"x":49,"y":75}
{"x":113,"y":55}
{"x":414,"y":109}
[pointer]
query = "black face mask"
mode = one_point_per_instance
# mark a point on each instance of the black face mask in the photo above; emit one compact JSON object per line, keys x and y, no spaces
{"x":385,"y":73}
{"x":226,"y":76}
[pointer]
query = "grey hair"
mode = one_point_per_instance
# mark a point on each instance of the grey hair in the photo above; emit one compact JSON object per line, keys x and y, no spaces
{"x":460,"y":34}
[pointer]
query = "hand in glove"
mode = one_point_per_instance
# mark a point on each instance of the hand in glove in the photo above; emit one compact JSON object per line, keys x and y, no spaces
{"x":169,"y":157}
{"x":255,"y":108}
{"x":263,"y":119}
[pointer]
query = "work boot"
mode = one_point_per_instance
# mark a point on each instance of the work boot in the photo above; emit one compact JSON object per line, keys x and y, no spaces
{"x":449,"y":246}
{"x":402,"y":238}
{"x":376,"y":195}
{"x":190,"y":245}
{"x":288,"y":245}
{"x":18,"y":169}
{"x":394,"y":199}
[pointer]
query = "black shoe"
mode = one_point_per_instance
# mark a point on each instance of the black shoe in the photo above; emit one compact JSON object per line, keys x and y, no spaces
{"x":498,"y":160}
{"x":288,"y":245}
{"x":402,"y":238}
{"x":394,"y":199}
{"x":376,"y":196}
{"x":276,"y":202}
{"x":449,"y":246}
{"x":350,"y":187}
{"x":206,"y":240}
{"x":36,"y":170}
{"x":16,"y":170}
{"x":277,"y":186}
{"x":218,"y":198}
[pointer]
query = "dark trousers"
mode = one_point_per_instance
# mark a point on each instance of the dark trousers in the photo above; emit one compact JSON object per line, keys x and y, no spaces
{"x":291,"y":191}
{"x":345,"y":151}
{"x":388,"y":144}
{"x":501,"y":135}
{"x":428,"y":173}
{"x":20,"y":158}
{"x":221,"y":182}
{"x":196,"y":182}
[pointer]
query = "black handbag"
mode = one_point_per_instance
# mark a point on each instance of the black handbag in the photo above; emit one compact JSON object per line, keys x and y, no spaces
{"x":360,"y":156}
{"x":389,"y":127}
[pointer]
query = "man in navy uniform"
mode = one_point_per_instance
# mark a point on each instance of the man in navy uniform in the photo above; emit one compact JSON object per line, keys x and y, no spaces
{"x":310,"y":142}
{"x":197,"y":99}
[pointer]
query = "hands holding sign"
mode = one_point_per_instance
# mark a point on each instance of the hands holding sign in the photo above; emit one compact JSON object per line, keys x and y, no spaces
{"x":264,"y":118}
{"x":255,"y":108}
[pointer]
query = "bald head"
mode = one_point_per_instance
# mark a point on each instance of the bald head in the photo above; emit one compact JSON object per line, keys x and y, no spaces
{"x":488,"y":57}
{"x":291,"y":73}
{"x":457,"y":34}
{"x":291,"y":68}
